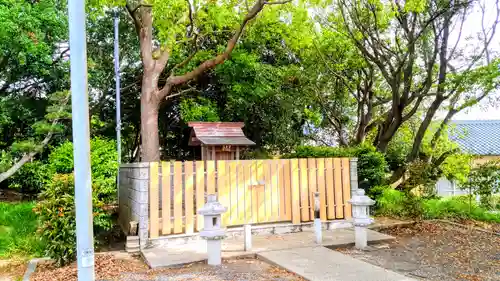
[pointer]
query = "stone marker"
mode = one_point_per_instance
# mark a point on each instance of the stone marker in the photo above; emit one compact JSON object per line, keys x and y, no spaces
{"x":361,"y":219}
{"x":212,"y":231}
{"x":317,"y":221}
{"x":247,"y":232}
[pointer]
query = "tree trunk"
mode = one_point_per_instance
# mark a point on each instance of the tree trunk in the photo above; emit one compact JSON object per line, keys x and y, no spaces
{"x":396,"y":176}
{"x":388,"y":129}
{"x":419,"y":137}
{"x":150,"y":149}
{"x":386,"y":136}
{"x":382,"y":145}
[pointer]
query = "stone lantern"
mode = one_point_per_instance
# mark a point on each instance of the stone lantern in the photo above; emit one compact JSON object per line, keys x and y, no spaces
{"x":361,"y":217}
{"x":212,"y":230}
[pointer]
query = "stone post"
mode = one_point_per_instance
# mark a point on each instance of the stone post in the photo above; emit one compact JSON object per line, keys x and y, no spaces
{"x":361,"y":218}
{"x":247,"y":233}
{"x":354,"y":175}
{"x":212,"y":231}
{"x":317,"y":221}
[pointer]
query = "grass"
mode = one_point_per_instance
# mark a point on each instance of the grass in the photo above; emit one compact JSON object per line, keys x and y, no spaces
{"x":18,"y":224}
{"x":457,"y":208}
{"x":395,"y":203}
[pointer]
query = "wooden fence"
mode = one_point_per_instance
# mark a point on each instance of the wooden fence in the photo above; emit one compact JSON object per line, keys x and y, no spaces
{"x":254,"y":191}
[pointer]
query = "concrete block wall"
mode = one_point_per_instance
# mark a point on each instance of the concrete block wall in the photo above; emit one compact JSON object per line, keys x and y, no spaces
{"x":353,"y":175}
{"x":134,"y":198}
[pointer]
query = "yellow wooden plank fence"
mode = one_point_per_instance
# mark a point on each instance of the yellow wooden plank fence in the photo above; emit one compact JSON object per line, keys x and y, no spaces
{"x":254,"y":191}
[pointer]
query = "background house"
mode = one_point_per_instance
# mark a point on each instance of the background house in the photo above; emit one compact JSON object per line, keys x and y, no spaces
{"x":480,"y":138}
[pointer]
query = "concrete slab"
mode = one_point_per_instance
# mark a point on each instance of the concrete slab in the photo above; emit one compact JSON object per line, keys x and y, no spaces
{"x":194,"y":251}
{"x":321,"y":264}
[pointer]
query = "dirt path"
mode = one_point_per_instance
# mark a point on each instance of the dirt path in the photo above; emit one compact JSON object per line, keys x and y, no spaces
{"x":437,"y":251}
{"x":126,"y":268}
{"x":11,"y":270}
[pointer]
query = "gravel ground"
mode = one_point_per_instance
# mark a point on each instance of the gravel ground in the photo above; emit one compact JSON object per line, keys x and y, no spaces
{"x":12,"y":270}
{"x":122,"y":267}
{"x":437,"y":251}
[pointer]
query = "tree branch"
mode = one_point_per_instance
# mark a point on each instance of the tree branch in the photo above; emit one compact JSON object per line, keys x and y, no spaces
{"x":334,"y":73}
{"x":162,"y":61}
{"x":135,"y":19}
{"x":177,"y":80}
{"x":189,"y":58}
{"x":144,"y":28}
{"x":462,"y":21}
{"x":414,"y":109}
{"x":191,"y":20}
{"x":191,"y":89}
{"x":28,"y":156}
{"x":443,"y":157}
{"x":277,"y":2}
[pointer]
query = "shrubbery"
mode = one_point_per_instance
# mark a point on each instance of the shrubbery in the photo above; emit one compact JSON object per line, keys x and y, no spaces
{"x":396,"y":203}
{"x":484,"y":181}
{"x":372,"y":166}
{"x":56,"y":208}
{"x":57,"y":216}
{"x":30,"y":179}
{"x":103,"y":164}
{"x":454,"y":208}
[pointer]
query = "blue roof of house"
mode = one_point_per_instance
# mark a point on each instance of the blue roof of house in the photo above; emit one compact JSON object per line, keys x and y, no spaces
{"x":479,"y":137}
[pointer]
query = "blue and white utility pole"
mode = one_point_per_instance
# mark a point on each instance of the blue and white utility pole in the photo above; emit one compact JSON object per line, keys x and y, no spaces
{"x":117,"y":77}
{"x":81,"y":140}
{"x":118,"y":104}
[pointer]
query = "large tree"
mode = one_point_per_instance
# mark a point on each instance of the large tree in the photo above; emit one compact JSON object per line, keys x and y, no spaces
{"x":32,"y":74}
{"x":176,"y":24}
{"x":417,"y":63}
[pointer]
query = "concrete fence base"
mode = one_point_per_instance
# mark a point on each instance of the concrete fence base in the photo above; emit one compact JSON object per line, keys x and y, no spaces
{"x":134,"y":199}
{"x":235,"y":232}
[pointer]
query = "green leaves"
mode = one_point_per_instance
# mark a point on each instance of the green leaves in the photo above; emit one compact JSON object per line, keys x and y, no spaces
{"x":56,"y":208}
{"x":417,"y":6}
{"x":372,"y":166}
{"x":177,"y":21}
{"x":29,"y":33}
{"x":484,"y":180}
{"x":103,"y":162}
{"x":24,"y":146}
{"x":199,"y":109}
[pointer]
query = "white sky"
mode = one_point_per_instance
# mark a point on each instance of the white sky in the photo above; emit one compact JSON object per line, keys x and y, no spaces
{"x":484,"y":110}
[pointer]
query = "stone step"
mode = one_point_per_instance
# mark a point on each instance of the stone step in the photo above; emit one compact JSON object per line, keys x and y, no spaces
{"x":320,"y":264}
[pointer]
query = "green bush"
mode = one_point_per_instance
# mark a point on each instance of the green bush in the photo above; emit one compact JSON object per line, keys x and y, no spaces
{"x":103,"y":164}
{"x":372,"y":166}
{"x":61,"y":159}
{"x":394,"y":203}
{"x":18,"y":224}
{"x":30,"y":179}
{"x":377,"y":191}
{"x":484,"y":181}
{"x":457,"y":208}
{"x":495,"y":200}
{"x":398,"y":204}
{"x":256,"y":154}
{"x":58,"y":221}
{"x":56,"y":208}
{"x":57,"y":216}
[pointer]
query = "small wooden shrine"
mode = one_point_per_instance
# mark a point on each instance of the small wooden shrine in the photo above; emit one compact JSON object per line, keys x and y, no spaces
{"x":219,"y":140}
